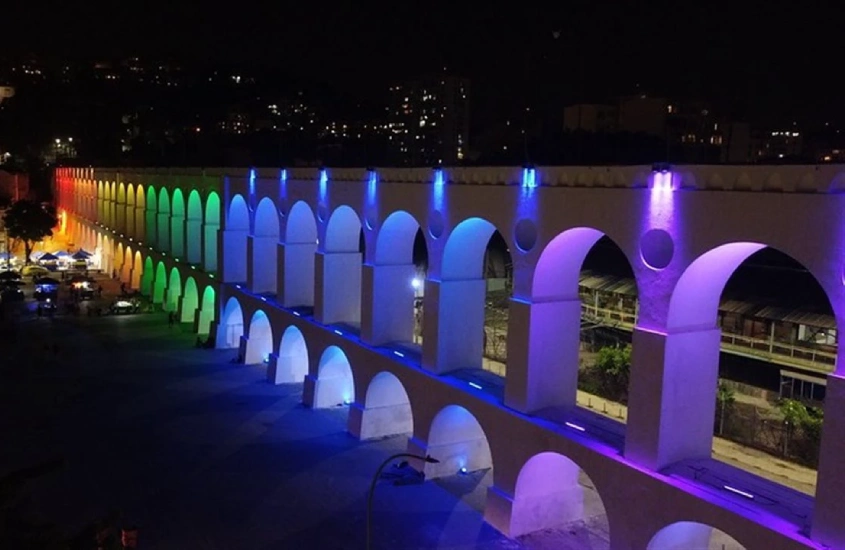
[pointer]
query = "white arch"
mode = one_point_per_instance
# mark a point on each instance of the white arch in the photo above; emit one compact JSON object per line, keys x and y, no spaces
{"x":292,"y":361}
{"x":335,"y":384}
{"x":458,"y":441}
{"x":231,"y":326}
{"x":387,"y":409}
{"x":689,"y":535}
{"x":259,"y":342}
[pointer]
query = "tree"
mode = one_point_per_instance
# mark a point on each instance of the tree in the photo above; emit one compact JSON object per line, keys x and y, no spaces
{"x":725,"y":397}
{"x":30,"y":222}
{"x":614,"y":368}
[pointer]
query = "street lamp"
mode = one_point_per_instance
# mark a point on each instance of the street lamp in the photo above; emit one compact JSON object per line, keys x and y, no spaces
{"x":426,"y":458}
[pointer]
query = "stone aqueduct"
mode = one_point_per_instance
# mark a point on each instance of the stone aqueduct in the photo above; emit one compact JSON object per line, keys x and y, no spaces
{"x":309,"y":271}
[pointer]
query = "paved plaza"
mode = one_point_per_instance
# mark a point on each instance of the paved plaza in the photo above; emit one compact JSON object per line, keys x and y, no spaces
{"x":201,"y":453}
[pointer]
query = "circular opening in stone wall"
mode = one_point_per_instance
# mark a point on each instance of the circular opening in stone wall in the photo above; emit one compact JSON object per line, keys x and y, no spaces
{"x":525,"y":235}
{"x":657,"y":248}
{"x":435,"y":224}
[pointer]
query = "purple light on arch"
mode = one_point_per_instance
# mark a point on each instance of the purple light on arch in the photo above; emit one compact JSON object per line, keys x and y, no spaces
{"x":695,"y":300}
{"x":661,"y":200}
{"x":558,"y":269}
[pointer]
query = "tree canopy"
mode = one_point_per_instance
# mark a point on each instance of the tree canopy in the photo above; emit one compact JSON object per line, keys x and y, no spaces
{"x":30,"y":222}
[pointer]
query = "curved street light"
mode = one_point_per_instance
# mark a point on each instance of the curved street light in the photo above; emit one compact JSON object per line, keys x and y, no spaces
{"x":376,"y":477}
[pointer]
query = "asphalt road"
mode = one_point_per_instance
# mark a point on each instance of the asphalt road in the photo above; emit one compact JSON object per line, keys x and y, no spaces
{"x":199,"y":453}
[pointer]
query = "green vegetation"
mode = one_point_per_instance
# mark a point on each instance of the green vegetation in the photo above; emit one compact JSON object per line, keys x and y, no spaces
{"x":609,"y":376}
{"x":29,"y":222}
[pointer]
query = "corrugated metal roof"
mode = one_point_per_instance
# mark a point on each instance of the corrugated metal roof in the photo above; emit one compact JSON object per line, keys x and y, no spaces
{"x":738,"y":306}
{"x":628,"y":287}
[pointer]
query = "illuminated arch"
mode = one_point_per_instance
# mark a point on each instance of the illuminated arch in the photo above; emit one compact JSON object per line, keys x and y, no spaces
{"x":694,"y":346}
{"x":292,"y":361}
{"x":163,"y":218}
{"x":159,"y":283}
{"x":130,"y":210}
{"x":552,"y":491}
{"x":259,"y":342}
{"x":174,"y":290}
{"x":387,"y":409}
{"x":343,"y":231}
{"x":235,"y":235}
{"x":458,"y":441}
{"x":300,"y":246}
{"x":148,"y":277}
{"x":461,"y":304}
{"x":395,"y":239}
{"x":231,"y":326}
{"x":193,"y":229}
{"x":394,"y":300}
{"x":177,"y":224}
{"x":335,"y":384}
{"x":151,"y":215}
{"x":190,"y":301}
{"x":140,"y":213}
{"x":211,"y":224}
{"x":686,"y":535}
{"x":137,"y":271}
{"x":207,"y":310}
{"x":264,"y":246}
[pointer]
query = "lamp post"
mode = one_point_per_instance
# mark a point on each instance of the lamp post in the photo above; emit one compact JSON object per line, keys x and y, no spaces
{"x":375,"y":480}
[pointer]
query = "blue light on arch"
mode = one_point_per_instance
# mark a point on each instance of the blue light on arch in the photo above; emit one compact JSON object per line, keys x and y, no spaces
{"x":324,"y":183}
{"x":438,"y":188}
{"x":372,"y":185}
{"x":252,"y":181}
{"x":283,"y":184}
{"x":529,"y":177}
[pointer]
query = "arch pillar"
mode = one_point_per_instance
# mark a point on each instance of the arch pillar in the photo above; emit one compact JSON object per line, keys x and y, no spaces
{"x":387,"y":305}
{"x":337,"y":292}
{"x":671,"y":405}
{"x":231,"y":239}
{"x":828,"y":527}
{"x":544,"y":338}
{"x":251,"y":346}
{"x":193,"y":254}
{"x":295,"y":273}
{"x":262,"y":280}
{"x":210,"y":252}
{"x":129,"y":219}
{"x":140,"y":224}
{"x":536,"y":507}
{"x":163,"y":233}
{"x":376,"y":422}
{"x":453,"y":333}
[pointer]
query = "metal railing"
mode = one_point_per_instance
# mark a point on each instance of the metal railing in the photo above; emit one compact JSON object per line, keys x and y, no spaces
{"x":771,"y":350}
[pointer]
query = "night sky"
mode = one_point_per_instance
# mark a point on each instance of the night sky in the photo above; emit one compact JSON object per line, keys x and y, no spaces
{"x":773,"y":59}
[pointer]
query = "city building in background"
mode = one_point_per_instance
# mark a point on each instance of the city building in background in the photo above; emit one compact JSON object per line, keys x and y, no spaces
{"x":428,"y":121}
{"x":692,"y":130}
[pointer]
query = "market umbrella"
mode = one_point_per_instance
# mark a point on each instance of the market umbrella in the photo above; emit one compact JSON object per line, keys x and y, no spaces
{"x":9,"y":275}
{"x":60,"y":254}
{"x":48,"y":258}
{"x":81,"y":255}
{"x":5,"y":256}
